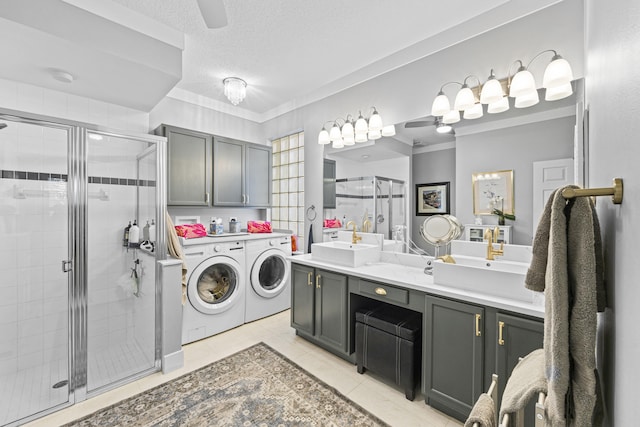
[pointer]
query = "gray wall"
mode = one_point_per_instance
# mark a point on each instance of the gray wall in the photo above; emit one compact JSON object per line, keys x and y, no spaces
{"x":513,"y":148}
{"x":432,"y":166}
{"x":613,"y":97}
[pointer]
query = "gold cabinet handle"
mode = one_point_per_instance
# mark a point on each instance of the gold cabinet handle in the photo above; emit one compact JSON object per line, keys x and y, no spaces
{"x":318,"y":281}
{"x":500,"y":328}
{"x":309,"y":278}
{"x":381,"y":291}
{"x":478,"y":332}
{"x":206,"y":197}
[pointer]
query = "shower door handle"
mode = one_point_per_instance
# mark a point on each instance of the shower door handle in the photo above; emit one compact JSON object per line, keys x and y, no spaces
{"x":66,"y":266}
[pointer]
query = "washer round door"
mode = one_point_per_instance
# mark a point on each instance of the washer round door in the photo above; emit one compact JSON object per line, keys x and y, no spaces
{"x":214,"y":285}
{"x":269,"y":273}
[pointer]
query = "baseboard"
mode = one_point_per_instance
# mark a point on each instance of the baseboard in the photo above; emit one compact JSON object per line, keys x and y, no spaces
{"x":172,"y":361}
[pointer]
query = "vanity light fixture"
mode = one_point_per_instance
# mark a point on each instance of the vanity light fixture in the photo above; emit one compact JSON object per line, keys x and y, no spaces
{"x":443,"y":127}
{"x":235,"y":89}
{"x":350,"y":132}
{"x":556,"y":80}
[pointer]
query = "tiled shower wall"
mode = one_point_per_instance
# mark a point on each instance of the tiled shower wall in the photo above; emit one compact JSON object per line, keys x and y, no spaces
{"x":33,"y":299}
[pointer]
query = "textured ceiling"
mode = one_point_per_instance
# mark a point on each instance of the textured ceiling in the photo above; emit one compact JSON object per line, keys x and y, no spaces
{"x":286,"y":49}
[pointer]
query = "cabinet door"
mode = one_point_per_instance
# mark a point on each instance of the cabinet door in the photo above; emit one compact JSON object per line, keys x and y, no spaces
{"x":331,"y":309}
{"x":516,"y":337}
{"x":258,"y":175}
{"x":454,"y":351}
{"x":228,"y":172}
{"x":188,"y":167}
{"x":302,"y":294}
{"x":329,"y":184}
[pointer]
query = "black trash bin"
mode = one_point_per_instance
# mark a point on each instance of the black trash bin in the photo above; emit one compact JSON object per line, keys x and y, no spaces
{"x":388,"y":342}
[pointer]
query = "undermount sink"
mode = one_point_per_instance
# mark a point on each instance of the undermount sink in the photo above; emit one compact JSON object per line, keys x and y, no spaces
{"x":345,"y":253}
{"x":499,"y":278}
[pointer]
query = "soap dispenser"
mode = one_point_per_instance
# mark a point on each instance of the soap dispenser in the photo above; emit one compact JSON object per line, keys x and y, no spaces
{"x":152,"y":231}
{"x":134,"y":235}
{"x":145,"y":232}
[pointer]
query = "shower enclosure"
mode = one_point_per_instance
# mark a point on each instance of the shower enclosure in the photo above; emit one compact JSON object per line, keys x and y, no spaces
{"x":79,"y":310}
{"x":378,"y":200}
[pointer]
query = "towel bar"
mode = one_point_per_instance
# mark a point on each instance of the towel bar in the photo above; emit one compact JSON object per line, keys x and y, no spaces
{"x":615,"y":192}
{"x":493,"y":393}
{"x":518,"y":417}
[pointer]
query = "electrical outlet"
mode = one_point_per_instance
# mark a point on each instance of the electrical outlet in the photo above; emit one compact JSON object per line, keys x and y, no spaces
{"x":233,"y":218}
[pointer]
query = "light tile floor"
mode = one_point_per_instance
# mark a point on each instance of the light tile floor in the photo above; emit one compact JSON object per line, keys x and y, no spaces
{"x":373,"y":394}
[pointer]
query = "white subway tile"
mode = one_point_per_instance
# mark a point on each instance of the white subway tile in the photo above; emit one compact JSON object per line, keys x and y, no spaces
{"x":30,"y":98}
{"x":30,"y":327}
{"x":54,"y":103}
{"x":8,"y":295}
{"x":30,"y":360}
{"x":8,"y":94}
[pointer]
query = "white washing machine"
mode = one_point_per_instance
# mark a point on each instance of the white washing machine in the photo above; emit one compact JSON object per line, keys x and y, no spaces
{"x":269,"y":276}
{"x":215,"y":289}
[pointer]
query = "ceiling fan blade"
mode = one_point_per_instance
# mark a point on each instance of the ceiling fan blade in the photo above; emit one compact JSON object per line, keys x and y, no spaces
{"x":213,"y":13}
{"x":419,"y":124}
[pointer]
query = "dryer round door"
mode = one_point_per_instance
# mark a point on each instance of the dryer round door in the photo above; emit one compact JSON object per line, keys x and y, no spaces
{"x":269,"y":273}
{"x":215,"y":285}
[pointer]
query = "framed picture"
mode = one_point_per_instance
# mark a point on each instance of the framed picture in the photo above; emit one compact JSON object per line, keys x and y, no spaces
{"x":432,"y":198}
{"x":493,"y":190}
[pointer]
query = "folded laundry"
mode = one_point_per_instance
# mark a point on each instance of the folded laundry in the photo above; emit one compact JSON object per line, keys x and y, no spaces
{"x":332,"y":223}
{"x":259,"y":227}
{"x":189,"y":231}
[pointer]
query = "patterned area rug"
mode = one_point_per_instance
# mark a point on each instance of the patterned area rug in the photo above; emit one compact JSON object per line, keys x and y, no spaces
{"x":254,"y":387}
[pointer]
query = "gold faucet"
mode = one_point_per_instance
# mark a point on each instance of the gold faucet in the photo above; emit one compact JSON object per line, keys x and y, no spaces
{"x":492,"y":237}
{"x":366,"y":225}
{"x":354,"y":237}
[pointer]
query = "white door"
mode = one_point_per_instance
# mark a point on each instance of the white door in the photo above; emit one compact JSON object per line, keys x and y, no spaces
{"x":547,"y":176}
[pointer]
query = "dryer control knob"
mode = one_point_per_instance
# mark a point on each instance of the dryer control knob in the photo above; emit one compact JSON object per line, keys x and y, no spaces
{"x":217,"y":248}
{"x":272,"y":243}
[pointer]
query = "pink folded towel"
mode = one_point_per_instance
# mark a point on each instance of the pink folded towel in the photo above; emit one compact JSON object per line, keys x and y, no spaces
{"x":189,"y":231}
{"x":258,"y":226}
{"x":332,"y":223}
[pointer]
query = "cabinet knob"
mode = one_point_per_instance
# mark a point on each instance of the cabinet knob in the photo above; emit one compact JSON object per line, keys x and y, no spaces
{"x":500,"y":337}
{"x":381,"y":291}
{"x":478,"y":331}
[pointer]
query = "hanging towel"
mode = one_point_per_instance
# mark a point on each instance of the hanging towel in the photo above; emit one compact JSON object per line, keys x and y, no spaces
{"x":310,"y":240}
{"x":526,"y":380}
{"x":567,"y":266}
{"x":483,"y":412}
{"x":175,"y":250}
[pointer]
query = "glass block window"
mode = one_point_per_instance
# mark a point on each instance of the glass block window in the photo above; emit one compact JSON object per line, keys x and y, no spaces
{"x":287,"y":206}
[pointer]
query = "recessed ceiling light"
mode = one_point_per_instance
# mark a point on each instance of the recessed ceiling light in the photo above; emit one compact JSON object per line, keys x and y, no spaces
{"x":62,"y":75}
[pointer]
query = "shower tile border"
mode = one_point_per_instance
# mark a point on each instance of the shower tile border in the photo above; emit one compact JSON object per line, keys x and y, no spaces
{"x":58,"y":177}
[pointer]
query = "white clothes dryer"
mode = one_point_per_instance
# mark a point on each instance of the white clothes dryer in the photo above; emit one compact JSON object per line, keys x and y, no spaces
{"x":269,"y":276}
{"x":215,"y":289}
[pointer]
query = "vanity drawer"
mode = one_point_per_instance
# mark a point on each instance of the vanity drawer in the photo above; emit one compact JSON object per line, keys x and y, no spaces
{"x":384,"y":292}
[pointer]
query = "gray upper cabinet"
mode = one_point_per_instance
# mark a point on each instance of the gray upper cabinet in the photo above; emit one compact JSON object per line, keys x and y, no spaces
{"x":188,"y":166}
{"x":329,"y":184}
{"x":241,"y":173}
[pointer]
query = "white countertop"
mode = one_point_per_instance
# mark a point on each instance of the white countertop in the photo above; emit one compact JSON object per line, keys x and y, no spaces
{"x":229,"y":237}
{"x":407,"y":271}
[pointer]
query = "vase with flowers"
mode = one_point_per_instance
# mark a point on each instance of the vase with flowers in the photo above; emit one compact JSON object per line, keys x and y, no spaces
{"x":500,"y":213}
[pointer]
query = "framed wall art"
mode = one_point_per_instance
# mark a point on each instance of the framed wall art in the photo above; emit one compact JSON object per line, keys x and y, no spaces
{"x":493,"y":190}
{"x":432,"y":198}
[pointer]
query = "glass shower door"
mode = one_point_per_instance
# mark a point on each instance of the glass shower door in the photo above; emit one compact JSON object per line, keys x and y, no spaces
{"x":34,"y":289}
{"x":121,"y":294}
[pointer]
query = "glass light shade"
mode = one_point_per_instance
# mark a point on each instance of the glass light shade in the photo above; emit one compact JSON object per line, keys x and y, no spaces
{"x":491,"y":91}
{"x":389,"y":130}
{"x":474,"y":112}
{"x":335,"y":133}
{"x":522,"y":83}
{"x":361,"y":137}
{"x":323,"y":137}
{"x":452,"y":116}
{"x":558,"y":92}
{"x":348,"y":141}
{"x":440,"y":106}
{"x":443,"y":128}
{"x":373,"y":135}
{"x":235,"y":89}
{"x":527,"y":100}
{"x":499,"y":106}
{"x":361,"y":125}
{"x":557,"y":73}
{"x":464,"y":99}
{"x":338,"y":143}
{"x":375,"y":122}
{"x":347,"y":131}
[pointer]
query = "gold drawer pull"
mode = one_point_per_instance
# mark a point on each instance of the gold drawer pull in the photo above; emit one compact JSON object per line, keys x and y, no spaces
{"x":318,"y":281}
{"x":478,"y":332}
{"x":381,"y":291}
{"x":309,"y":278}
{"x":500,"y":328}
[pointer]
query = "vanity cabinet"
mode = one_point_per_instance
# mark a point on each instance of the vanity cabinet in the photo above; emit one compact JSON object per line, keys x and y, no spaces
{"x":453,"y":355}
{"x":241,"y":173}
{"x":188,"y":166}
{"x":329,"y":184}
{"x":319,"y":302}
